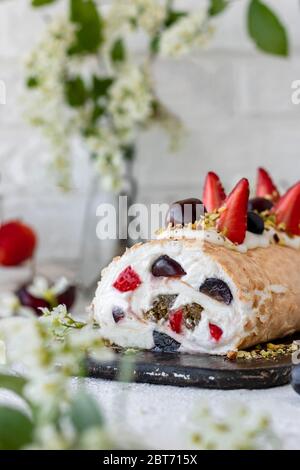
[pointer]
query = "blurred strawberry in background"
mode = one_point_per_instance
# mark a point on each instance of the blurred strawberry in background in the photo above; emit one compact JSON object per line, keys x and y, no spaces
{"x":17,"y":243}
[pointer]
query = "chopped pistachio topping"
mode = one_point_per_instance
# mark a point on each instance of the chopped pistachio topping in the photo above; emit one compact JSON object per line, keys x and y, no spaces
{"x":210,"y":220}
{"x":266,"y":351}
{"x":192,"y":315}
{"x":160,"y":308}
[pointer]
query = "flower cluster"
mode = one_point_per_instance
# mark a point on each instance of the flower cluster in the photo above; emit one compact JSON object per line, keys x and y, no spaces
{"x":50,"y":350}
{"x":45,"y":105}
{"x":10,"y":306}
{"x":188,"y":34}
{"x":236,"y":428}
{"x":102,"y":91}
{"x":148,"y":15}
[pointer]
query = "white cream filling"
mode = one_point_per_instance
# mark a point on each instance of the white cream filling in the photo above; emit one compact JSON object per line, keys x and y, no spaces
{"x":135,"y":331}
{"x":251,"y":241}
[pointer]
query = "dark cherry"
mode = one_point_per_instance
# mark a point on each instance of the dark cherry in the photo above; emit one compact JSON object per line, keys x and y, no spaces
{"x":184,"y":212}
{"x":167,"y":267}
{"x":68,"y":297}
{"x":217,"y":289}
{"x":255,"y":223}
{"x":28,"y":300}
{"x":260,"y":204}
{"x":164,"y":343}
{"x":118,"y":314}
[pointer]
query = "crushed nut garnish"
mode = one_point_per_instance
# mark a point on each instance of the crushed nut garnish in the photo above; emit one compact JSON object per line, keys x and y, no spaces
{"x":210,"y":220}
{"x":266,"y":351}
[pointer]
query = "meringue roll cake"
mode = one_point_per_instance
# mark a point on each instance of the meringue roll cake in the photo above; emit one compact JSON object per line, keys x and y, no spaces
{"x":225,"y":280}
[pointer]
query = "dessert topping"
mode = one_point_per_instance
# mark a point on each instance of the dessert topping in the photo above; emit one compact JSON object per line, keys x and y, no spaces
{"x":215,"y":331}
{"x":287,"y":211}
{"x":265,"y":186}
{"x":233,"y":218}
{"x":217,"y":289}
{"x":213,"y":194}
{"x":164,"y":266}
{"x":127,"y":281}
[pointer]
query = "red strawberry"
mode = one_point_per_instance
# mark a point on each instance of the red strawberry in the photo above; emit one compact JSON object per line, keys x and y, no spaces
{"x":287,"y":210}
{"x":213,"y":194}
{"x":233,"y":219}
{"x":215,"y":331}
{"x":127,"y":281}
{"x":265,"y":186}
{"x":17,"y":243}
{"x":175,"y":319}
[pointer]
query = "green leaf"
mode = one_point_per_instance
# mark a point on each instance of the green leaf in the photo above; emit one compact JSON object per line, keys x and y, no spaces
{"x":266,"y":29}
{"x":217,"y":6}
{"x":98,"y":111}
{"x":13,"y":383}
{"x":174,"y":16}
{"x":89,"y":34}
{"x":129,"y":152}
{"x":16,"y":429}
{"x":155,"y":44}
{"x":75,"y":92}
{"x":85,"y":412}
{"x":32,"y":82}
{"x":101,"y":86}
{"x":40,"y":3}
{"x":118,"y":51}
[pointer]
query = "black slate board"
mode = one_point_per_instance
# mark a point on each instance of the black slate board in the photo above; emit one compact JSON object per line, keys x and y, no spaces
{"x":202,"y":370}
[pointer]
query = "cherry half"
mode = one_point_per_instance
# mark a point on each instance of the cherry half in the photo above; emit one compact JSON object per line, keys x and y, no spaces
{"x":164,"y":266}
{"x":260,"y":204}
{"x":186,"y":211}
{"x":217,"y":289}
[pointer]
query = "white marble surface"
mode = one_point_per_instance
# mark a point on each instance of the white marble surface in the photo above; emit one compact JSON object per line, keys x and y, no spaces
{"x":157,"y":413}
{"x":157,"y":416}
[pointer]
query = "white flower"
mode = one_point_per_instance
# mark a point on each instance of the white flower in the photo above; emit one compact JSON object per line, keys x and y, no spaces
{"x":188,"y":33}
{"x":233,"y":428}
{"x":125,"y":16}
{"x":11,"y":306}
{"x":108,"y":158}
{"x":49,"y":437}
{"x":150,"y":14}
{"x":130,"y":98}
{"x":25,"y":344}
{"x":40,"y":285}
{"x":46,"y":389}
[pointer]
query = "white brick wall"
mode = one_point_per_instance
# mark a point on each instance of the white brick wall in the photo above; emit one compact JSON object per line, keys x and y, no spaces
{"x":234,"y":101}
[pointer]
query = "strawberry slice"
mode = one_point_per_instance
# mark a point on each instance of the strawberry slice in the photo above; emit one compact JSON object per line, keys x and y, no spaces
{"x":213,"y":194}
{"x":215,"y":331}
{"x":127,"y":281}
{"x":265,"y":186}
{"x":175,"y":319}
{"x":287,"y":210}
{"x":17,"y":243}
{"x":233,"y":219}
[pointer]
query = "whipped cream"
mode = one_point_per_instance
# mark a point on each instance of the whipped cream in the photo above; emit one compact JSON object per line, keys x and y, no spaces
{"x":251,"y":241}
